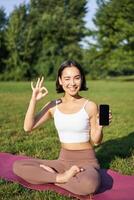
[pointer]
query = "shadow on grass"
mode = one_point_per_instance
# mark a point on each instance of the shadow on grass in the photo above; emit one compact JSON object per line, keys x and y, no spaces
{"x":109,"y":150}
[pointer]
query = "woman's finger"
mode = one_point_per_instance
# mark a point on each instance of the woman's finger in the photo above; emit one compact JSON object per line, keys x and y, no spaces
{"x":37,"y":84}
{"x":32,"y":85}
{"x":44,"y":93}
{"x":41,"y":82}
{"x":110,"y":115}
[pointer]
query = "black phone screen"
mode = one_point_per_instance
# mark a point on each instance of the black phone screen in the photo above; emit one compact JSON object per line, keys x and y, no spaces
{"x":104,"y":114}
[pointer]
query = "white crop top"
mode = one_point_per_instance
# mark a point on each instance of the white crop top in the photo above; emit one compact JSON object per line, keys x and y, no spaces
{"x":72,"y":128}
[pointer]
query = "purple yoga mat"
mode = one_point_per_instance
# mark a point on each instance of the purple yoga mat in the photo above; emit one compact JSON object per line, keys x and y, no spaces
{"x":114,"y":185}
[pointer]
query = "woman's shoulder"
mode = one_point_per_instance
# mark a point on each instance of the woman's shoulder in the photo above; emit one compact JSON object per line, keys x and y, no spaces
{"x":53,"y":104}
{"x":91,"y":103}
{"x":91,"y":107}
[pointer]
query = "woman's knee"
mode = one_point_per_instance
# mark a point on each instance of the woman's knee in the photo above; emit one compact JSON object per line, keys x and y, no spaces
{"x":92,"y":185}
{"x":88,"y":186}
{"x":17,"y":167}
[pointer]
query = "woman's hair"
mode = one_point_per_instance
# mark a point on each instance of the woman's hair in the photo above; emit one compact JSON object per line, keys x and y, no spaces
{"x":70,"y":63}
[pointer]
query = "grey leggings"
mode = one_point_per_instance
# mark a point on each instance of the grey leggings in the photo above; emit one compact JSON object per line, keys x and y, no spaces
{"x":83,"y":183}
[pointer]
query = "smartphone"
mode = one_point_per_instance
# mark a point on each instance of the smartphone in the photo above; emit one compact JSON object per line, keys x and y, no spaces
{"x":104,"y":114}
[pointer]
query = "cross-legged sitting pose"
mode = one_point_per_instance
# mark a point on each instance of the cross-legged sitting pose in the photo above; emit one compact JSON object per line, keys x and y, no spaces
{"x":76,"y":121}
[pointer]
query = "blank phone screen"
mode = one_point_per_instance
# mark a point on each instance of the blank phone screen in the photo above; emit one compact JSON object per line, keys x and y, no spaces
{"x":104,"y":114}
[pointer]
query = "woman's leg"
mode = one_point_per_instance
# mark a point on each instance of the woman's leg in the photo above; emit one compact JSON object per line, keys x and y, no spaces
{"x":84,"y":183}
{"x":38,"y":171}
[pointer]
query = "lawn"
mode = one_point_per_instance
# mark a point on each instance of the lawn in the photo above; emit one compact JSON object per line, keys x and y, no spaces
{"x":115,"y":152}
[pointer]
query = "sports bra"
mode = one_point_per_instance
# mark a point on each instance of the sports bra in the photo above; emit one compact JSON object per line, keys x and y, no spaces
{"x":72,"y":128}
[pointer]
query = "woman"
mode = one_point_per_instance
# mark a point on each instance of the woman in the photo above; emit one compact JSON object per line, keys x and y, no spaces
{"x":76,"y":120}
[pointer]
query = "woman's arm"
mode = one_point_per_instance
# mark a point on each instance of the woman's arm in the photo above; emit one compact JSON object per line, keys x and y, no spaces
{"x":31,"y":120}
{"x":96,"y":129}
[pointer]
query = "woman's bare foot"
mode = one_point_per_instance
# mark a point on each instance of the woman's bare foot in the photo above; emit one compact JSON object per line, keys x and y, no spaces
{"x":64,"y":177}
{"x":49,"y":169}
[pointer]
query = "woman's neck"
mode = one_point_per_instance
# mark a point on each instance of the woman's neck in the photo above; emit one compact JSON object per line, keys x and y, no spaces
{"x":68,"y":98}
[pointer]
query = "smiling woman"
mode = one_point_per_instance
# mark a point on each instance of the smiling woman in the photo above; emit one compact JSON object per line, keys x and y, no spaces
{"x":76,"y":121}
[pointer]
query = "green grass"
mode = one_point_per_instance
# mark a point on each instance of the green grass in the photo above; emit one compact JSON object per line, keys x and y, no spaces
{"x":116,"y":151}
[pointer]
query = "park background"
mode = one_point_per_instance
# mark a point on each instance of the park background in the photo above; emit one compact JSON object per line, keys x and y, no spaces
{"x":35,"y":38}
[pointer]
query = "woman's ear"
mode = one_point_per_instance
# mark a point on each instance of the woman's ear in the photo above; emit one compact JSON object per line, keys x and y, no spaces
{"x":60,"y":82}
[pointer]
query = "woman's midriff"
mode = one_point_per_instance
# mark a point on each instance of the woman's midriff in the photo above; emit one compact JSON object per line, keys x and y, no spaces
{"x":76,"y":146}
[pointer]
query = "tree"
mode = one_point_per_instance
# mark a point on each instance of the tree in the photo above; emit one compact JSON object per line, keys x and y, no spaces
{"x":61,"y":28}
{"x":3,"y":51}
{"x":114,"y":22}
{"x":41,"y":35}
{"x":17,"y":37}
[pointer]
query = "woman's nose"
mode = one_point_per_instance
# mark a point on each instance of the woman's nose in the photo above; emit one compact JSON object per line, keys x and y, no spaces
{"x":72,"y":82}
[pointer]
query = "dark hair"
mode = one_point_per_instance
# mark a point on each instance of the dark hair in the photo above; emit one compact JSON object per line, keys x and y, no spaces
{"x":70,"y":63}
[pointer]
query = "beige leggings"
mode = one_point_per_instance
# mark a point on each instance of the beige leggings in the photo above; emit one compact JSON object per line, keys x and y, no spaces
{"x":83,"y":183}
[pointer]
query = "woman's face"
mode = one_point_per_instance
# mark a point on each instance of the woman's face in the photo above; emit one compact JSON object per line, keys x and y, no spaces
{"x":71,"y":80}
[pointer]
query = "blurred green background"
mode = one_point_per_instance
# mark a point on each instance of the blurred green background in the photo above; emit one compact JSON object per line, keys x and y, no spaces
{"x":38,"y":36}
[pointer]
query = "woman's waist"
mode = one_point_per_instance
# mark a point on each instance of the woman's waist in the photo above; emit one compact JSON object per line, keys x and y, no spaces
{"x":77,"y":146}
{"x":85,"y":153}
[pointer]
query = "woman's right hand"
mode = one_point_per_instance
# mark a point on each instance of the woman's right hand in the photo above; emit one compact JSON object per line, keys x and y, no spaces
{"x":39,"y":91}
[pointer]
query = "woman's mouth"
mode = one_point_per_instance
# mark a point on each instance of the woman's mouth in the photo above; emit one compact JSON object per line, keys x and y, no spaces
{"x":73,"y":89}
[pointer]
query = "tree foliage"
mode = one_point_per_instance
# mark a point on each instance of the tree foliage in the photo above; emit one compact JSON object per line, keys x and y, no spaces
{"x":37,"y":37}
{"x":41,"y":35}
{"x":62,"y":28}
{"x":114,"y":49}
{"x":3,"y":52}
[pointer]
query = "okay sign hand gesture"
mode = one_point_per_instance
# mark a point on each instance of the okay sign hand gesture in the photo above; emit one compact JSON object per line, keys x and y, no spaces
{"x":39,"y":91}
